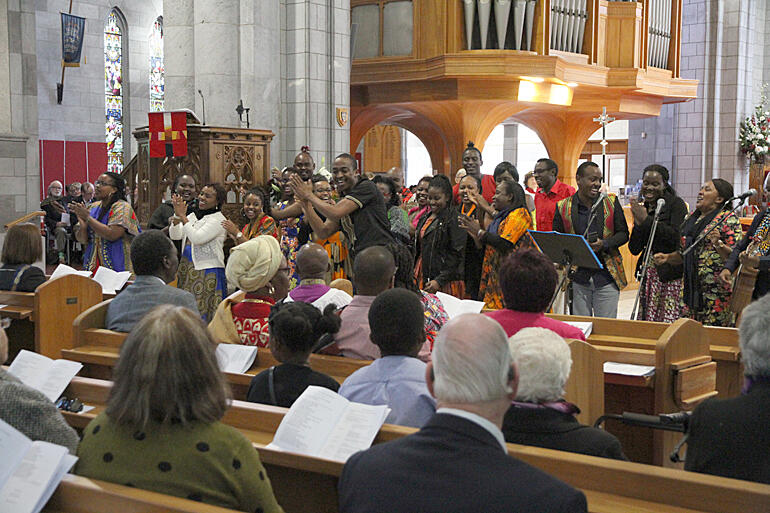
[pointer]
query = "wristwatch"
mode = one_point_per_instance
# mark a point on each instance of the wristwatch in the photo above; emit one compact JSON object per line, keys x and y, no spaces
{"x":239,"y":235}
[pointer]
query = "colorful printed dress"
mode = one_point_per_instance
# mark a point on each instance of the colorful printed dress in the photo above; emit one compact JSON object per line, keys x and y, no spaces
{"x":265,"y":226}
{"x":513,"y":228}
{"x":714,"y":301}
{"x":289,"y":242}
{"x":115,"y":254}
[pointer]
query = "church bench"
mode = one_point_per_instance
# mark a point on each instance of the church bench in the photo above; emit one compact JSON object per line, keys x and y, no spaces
{"x":42,"y":318}
{"x":630,"y":341}
{"x":611,"y":486}
{"x":98,"y":349}
{"x":77,"y":494}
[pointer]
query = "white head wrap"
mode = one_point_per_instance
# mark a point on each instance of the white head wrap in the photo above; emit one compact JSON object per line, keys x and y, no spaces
{"x":254,"y":263}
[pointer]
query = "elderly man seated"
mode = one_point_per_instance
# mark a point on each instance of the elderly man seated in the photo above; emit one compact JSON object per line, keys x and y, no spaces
{"x":539,"y":416}
{"x":731,"y":437}
{"x":53,"y":205}
{"x":313,"y":265}
{"x":458,"y":462}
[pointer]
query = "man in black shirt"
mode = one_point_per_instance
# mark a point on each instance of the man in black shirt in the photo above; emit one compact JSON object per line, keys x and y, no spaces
{"x":360,"y":214}
{"x":595,"y":292}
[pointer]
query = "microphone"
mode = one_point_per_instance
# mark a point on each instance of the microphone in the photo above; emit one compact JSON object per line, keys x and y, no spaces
{"x":745,"y":195}
{"x":598,"y":202}
{"x":659,"y":206}
{"x":204,"y":106}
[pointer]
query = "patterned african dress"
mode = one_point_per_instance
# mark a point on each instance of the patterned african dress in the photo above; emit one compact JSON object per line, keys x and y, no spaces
{"x":660,"y":301}
{"x":714,"y":309}
{"x":338,"y":255}
{"x":289,"y":242}
{"x":115,"y":254}
{"x":435,"y":316}
{"x":265,"y":226}
{"x":513,"y":229}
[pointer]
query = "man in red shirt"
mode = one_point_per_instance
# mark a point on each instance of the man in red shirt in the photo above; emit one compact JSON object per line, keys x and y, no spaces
{"x":550,"y":191}
{"x":472,"y":164}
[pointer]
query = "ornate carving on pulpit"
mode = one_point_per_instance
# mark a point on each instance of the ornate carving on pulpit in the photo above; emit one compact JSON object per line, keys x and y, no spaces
{"x":238,"y":171}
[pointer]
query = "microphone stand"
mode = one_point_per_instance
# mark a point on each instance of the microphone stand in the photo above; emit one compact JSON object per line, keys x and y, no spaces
{"x":717,"y":225}
{"x":642,"y":274}
{"x":567,"y":263}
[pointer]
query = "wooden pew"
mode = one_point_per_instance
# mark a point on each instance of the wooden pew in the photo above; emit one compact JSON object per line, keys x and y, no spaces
{"x":610,"y":486}
{"x":47,"y":313}
{"x":98,"y":348}
{"x":632,"y":342}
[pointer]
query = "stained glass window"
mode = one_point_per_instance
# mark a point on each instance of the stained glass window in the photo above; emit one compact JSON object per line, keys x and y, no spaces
{"x":113,"y":90}
{"x":157,"y":70}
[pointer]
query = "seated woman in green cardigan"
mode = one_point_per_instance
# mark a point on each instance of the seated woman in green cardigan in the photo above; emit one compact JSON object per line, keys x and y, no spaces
{"x":162,"y":429}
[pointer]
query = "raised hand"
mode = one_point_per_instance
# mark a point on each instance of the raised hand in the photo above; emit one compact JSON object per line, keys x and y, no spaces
{"x":180,"y":206}
{"x":302,"y":191}
{"x":230,"y":227}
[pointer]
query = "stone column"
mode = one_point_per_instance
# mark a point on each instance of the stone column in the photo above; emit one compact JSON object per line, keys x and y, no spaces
{"x":511,"y":143}
{"x":217,"y":59}
{"x":179,"y":56}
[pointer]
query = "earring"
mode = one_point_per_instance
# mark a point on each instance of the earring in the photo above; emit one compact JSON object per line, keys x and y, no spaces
{"x":270,"y":288}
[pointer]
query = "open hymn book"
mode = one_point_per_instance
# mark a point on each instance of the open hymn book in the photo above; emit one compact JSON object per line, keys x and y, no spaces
{"x":235,"y":358}
{"x":323,"y":424}
{"x":111,"y":281}
{"x":29,"y":471}
{"x":50,"y":377}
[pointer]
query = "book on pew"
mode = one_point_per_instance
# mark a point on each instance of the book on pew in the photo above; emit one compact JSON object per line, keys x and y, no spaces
{"x":323,"y":424}
{"x":111,"y":281}
{"x":64,"y":270}
{"x":29,"y":471}
{"x":235,"y":358}
{"x":455,"y":306}
{"x":585,"y":327}
{"x":628,"y":369}
{"x":43,"y":374}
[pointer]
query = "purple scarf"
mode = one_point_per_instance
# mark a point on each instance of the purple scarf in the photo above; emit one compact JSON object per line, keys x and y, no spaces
{"x":560,"y":406}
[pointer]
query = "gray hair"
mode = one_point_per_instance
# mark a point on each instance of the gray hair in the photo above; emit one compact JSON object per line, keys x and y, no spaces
{"x":167,"y":372}
{"x":544,"y":361}
{"x":754,"y":333}
{"x":471,"y":361}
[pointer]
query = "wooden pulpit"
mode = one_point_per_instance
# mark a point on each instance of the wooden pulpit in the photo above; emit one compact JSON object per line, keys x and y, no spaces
{"x":237,"y":158}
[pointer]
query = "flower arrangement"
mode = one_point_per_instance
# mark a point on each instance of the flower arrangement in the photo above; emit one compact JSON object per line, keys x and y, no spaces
{"x":754,"y":136}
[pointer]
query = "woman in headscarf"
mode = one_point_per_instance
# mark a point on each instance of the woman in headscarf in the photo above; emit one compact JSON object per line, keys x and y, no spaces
{"x":706,"y":298}
{"x":108,"y":227}
{"x":259,"y":270}
{"x":202,"y":262}
{"x":505,"y":234}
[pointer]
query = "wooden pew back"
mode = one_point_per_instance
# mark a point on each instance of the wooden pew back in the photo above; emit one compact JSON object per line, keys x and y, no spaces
{"x":585,"y":386}
{"x":304,"y":483}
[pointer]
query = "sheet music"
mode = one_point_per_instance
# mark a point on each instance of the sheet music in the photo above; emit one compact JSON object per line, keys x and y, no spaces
{"x":43,"y":374}
{"x":111,"y":281}
{"x":235,"y":358}
{"x":355,"y":431}
{"x":585,"y":327}
{"x":309,"y":421}
{"x":64,"y":270}
{"x":13,"y":445}
{"x":628,"y":369}
{"x":455,"y":306}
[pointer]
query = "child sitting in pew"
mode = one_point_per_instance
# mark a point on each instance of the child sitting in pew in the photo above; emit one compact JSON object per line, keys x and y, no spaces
{"x":294,"y":329}
{"x":22,"y":248}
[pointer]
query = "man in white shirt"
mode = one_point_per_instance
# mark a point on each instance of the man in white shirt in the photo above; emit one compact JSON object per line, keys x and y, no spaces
{"x":458,"y":462}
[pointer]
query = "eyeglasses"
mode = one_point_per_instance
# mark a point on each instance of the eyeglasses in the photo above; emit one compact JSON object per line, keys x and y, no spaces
{"x":73,"y":405}
{"x":99,"y":182}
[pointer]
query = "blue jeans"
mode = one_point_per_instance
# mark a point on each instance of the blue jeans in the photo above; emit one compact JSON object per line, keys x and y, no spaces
{"x":596,"y":302}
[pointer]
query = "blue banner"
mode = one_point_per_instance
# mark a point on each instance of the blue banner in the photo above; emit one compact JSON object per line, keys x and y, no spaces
{"x":72,"y":30}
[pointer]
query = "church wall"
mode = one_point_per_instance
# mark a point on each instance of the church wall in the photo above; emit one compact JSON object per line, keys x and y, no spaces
{"x":80,"y":117}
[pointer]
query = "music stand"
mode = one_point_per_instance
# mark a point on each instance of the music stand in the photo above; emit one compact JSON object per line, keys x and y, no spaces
{"x":565,"y":249}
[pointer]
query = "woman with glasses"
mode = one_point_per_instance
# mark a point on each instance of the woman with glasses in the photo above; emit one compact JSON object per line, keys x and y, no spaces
{"x":202,"y":262}
{"x":259,"y":270}
{"x":162,"y":429}
{"x":108,"y":227}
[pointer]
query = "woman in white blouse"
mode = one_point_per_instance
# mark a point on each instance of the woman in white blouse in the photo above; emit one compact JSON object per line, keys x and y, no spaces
{"x":202,"y":263}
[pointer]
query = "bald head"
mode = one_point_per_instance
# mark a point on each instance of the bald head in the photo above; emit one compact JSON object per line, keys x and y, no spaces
{"x":471,"y":361}
{"x":373,"y":270}
{"x":312,"y":261}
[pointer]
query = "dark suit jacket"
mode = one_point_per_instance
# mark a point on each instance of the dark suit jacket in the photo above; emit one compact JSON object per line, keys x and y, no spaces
{"x":731,"y":437}
{"x":142,"y":296}
{"x":450,"y":465}
{"x":551,"y":429}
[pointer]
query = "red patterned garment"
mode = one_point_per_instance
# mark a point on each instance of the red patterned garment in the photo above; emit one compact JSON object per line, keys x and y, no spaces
{"x":250,"y":318}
